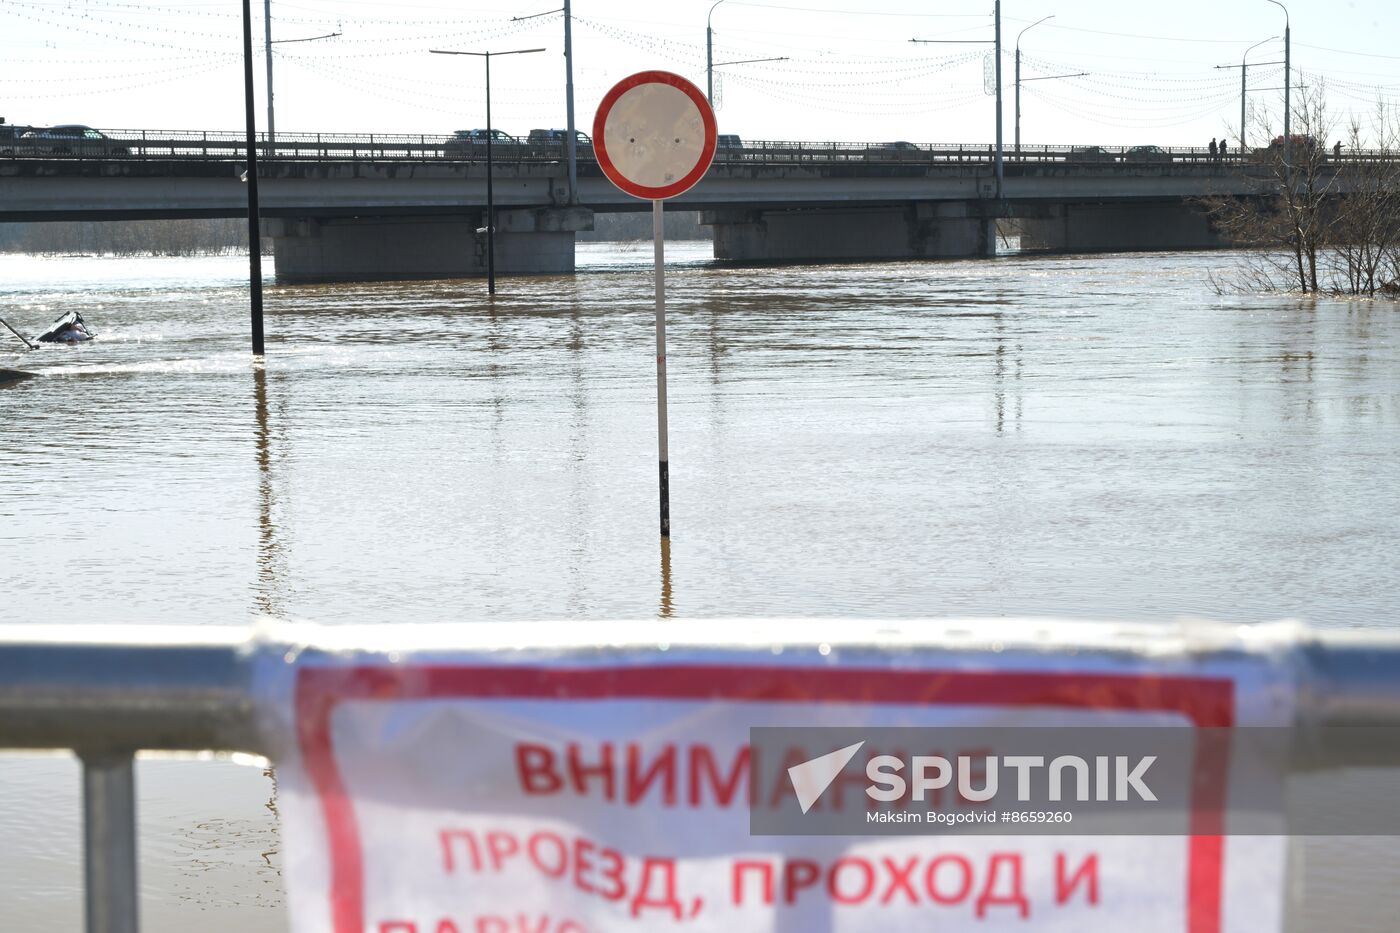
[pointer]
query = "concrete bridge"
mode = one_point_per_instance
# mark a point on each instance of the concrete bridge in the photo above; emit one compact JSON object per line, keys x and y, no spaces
{"x":374,"y":207}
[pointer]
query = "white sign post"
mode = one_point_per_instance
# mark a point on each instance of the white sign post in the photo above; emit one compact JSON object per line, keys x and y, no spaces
{"x":654,"y":136}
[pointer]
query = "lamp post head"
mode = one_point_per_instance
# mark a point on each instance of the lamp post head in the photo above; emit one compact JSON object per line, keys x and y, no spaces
{"x":711,"y":13}
{"x":1030,"y":27}
{"x":1255,"y":46}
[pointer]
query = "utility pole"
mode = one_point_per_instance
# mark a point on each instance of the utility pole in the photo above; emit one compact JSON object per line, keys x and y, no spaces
{"x":710,"y":56}
{"x":998,"y":65}
{"x":1243,"y":66}
{"x":267,"y":35}
{"x":571,"y":147}
{"x":490,"y":194}
{"x":1287,"y":108}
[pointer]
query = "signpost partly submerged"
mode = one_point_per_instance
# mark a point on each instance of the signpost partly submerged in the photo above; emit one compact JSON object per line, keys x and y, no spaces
{"x":654,"y":137}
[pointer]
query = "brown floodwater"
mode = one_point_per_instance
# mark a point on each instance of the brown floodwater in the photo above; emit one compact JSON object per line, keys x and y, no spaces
{"x":1099,"y":437}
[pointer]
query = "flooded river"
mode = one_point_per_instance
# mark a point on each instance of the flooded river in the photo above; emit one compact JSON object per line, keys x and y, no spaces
{"x":1099,"y":437}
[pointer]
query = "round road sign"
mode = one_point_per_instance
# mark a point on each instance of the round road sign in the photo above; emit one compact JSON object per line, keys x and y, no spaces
{"x":654,"y":135}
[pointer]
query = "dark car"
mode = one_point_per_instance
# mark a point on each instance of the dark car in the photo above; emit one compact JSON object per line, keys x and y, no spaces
{"x":1090,"y":154}
{"x":69,"y":139}
{"x":9,"y":136}
{"x":552,"y":138}
{"x":900,"y":150}
{"x":471,"y":144}
{"x":1147,"y":154}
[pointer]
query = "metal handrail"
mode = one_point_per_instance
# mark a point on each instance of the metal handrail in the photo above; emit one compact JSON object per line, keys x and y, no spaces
{"x":165,"y":688}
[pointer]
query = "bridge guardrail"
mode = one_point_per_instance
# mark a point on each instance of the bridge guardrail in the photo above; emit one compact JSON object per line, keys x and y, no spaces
{"x":222,"y":145}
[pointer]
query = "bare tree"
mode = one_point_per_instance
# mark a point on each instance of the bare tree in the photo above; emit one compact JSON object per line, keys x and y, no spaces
{"x":128,"y":237}
{"x":1323,"y":220}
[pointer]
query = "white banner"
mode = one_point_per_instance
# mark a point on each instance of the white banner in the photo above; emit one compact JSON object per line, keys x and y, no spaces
{"x":562,"y":791}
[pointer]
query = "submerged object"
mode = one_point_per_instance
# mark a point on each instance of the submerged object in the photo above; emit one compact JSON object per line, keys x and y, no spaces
{"x":8,"y":376}
{"x":67,"y":329}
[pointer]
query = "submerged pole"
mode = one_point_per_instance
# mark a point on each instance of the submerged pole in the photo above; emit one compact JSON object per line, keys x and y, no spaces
{"x":663,"y":454}
{"x":251,"y":177}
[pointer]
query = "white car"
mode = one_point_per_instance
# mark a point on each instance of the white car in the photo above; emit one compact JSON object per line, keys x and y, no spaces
{"x":70,"y":139}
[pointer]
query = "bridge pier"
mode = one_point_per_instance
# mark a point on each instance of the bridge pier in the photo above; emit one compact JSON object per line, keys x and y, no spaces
{"x":1122,"y":227}
{"x":348,"y":249}
{"x":920,"y":230}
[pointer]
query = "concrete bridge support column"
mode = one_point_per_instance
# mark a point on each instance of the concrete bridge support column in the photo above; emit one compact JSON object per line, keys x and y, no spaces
{"x":1097,"y":228}
{"x":923,"y":230}
{"x":347,"y":249}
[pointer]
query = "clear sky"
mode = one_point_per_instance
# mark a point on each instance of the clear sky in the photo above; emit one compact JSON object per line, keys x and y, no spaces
{"x":850,"y":72}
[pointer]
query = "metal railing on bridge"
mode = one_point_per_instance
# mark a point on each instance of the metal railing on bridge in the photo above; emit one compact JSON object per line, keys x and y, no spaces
{"x":116,"y":144}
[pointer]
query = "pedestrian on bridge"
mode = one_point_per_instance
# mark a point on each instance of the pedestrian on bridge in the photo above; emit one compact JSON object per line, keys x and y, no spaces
{"x":1213,"y":150}
{"x":1337,"y":150}
{"x":1222,"y":150}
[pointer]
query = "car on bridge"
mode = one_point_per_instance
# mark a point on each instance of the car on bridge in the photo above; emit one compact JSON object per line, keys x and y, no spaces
{"x":897,"y":151}
{"x":1090,"y":154}
{"x":69,"y":140}
{"x":471,"y":144}
{"x":9,"y":135}
{"x":557,"y":138}
{"x":1147,"y":154}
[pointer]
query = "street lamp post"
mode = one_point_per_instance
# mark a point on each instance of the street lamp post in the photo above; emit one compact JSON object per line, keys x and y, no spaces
{"x":1287,"y":79}
{"x":490,"y":196}
{"x":1244,"y":87}
{"x":267,"y":36}
{"x":571,"y":144}
{"x":710,"y":56}
{"x":1018,"y":75}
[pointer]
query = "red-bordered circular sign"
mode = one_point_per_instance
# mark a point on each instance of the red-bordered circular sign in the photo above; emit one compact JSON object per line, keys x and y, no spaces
{"x":654,"y":135}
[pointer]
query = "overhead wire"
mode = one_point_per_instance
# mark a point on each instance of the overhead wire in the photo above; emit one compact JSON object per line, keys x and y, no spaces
{"x":824,"y":79}
{"x":1119,"y":119}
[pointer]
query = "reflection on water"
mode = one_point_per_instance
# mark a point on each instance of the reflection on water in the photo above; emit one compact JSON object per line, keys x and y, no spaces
{"x":270,"y":560}
{"x":667,"y":607}
{"x":1069,"y":435}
